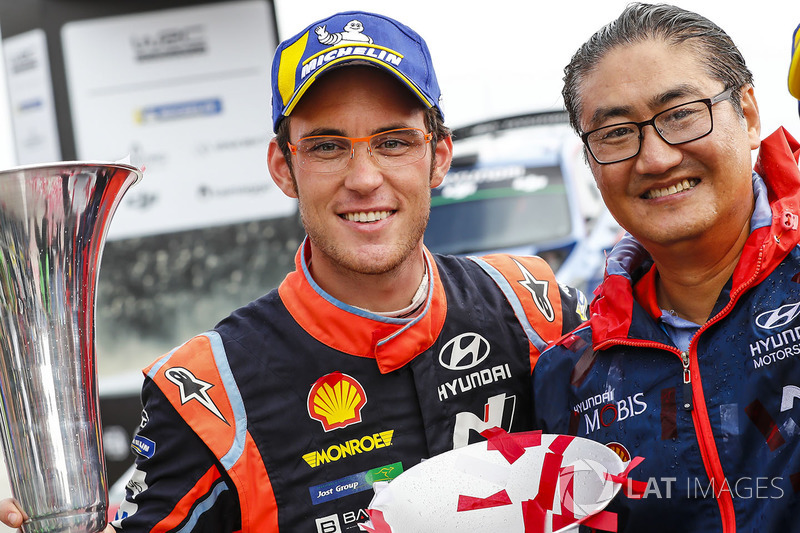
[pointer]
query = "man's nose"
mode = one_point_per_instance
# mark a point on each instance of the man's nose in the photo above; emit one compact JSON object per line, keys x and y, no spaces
{"x":363,"y":173}
{"x":655,"y":154}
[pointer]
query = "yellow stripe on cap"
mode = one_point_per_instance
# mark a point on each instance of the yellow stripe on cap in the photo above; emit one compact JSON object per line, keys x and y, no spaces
{"x":794,"y":67}
{"x":301,"y":90}
{"x":287,"y":70}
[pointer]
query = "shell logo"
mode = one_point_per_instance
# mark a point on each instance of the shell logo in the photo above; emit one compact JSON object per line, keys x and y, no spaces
{"x":620,"y":450}
{"x":336,"y":401}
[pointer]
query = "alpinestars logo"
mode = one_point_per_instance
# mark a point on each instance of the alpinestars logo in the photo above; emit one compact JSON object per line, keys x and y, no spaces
{"x":538,"y":290}
{"x":193,"y":388}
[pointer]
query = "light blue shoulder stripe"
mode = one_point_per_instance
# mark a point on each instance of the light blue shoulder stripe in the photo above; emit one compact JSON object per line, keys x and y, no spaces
{"x":232,"y":391}
{"x":234,"y":397}
{"x":512,"y":298}
{"x":202,"y":507}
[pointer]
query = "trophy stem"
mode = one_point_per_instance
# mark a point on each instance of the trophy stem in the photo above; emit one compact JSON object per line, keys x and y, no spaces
{"x":53,"y":224}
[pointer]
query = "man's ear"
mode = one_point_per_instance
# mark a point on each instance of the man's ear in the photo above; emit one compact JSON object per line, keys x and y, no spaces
{"x":279,"y":170}
{"x":442,"y":159}
{"x":751,"y":116}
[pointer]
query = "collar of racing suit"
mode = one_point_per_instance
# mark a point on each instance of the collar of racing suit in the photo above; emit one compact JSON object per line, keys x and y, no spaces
{"x":774,"y":232}
{"x":392,"y":342}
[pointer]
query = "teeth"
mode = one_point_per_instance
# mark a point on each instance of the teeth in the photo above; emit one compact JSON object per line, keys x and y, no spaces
{"x":366,"y":216}
{"x":672,"y":189}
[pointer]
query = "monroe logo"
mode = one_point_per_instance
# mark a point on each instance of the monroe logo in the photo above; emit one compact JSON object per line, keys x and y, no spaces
{"x":352,"y":447}
{"x":336,"y":401}
{"x":778,"y":317}
{"x":464,"y":352}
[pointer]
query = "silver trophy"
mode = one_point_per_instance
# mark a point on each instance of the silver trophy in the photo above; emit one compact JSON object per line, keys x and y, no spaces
{"x":53,"y":223}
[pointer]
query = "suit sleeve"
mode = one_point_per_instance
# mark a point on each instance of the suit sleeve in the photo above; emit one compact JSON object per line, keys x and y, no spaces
{"x":177,"y":484}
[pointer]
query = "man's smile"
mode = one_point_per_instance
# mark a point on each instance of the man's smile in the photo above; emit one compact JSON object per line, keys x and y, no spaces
{"x":672,"y":189}
{"x":366,"y":216}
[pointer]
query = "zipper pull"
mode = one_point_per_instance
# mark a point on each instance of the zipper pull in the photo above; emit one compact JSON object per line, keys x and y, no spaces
{"x":687,"y":382}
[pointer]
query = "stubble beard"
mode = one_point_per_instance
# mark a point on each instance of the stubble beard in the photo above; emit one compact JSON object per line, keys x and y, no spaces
{"x":381,"y":258}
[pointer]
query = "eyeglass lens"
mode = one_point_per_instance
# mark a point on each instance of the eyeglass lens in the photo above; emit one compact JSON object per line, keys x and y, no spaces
{"x":330,"y":153}
{"x":675,"y":126}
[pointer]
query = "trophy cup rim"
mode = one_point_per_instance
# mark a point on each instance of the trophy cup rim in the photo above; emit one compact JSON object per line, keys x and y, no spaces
{"x":76,"y":164}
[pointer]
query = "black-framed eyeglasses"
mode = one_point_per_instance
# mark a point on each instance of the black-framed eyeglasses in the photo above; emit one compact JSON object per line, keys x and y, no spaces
{"x":332,"y":153}
{"x":677,"y":125}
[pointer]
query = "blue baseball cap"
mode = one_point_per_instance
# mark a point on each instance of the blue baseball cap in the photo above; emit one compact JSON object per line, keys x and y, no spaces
{"x":348,"y":38}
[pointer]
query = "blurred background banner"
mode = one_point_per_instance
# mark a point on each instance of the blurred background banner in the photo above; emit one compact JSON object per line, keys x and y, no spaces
{"x":185,"y":93}
{"x":30,"y":91}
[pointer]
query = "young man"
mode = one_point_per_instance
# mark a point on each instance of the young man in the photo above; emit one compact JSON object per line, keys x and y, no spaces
{"x":690,"y":358}
{"x":373,"y":354}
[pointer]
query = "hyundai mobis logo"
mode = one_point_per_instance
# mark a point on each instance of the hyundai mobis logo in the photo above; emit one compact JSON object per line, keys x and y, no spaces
{"x":602,"y":410}
{"x":464,"y":352}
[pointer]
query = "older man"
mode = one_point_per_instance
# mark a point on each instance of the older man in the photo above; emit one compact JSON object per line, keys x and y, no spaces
{"x":691,"y":358}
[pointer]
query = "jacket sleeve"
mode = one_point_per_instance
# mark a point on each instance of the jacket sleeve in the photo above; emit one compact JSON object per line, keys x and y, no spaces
{"x":177,"y":484}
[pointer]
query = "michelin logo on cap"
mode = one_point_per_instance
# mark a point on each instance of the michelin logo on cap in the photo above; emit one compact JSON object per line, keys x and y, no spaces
{"x":352,"y":34}
{"x":353,"y":37}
